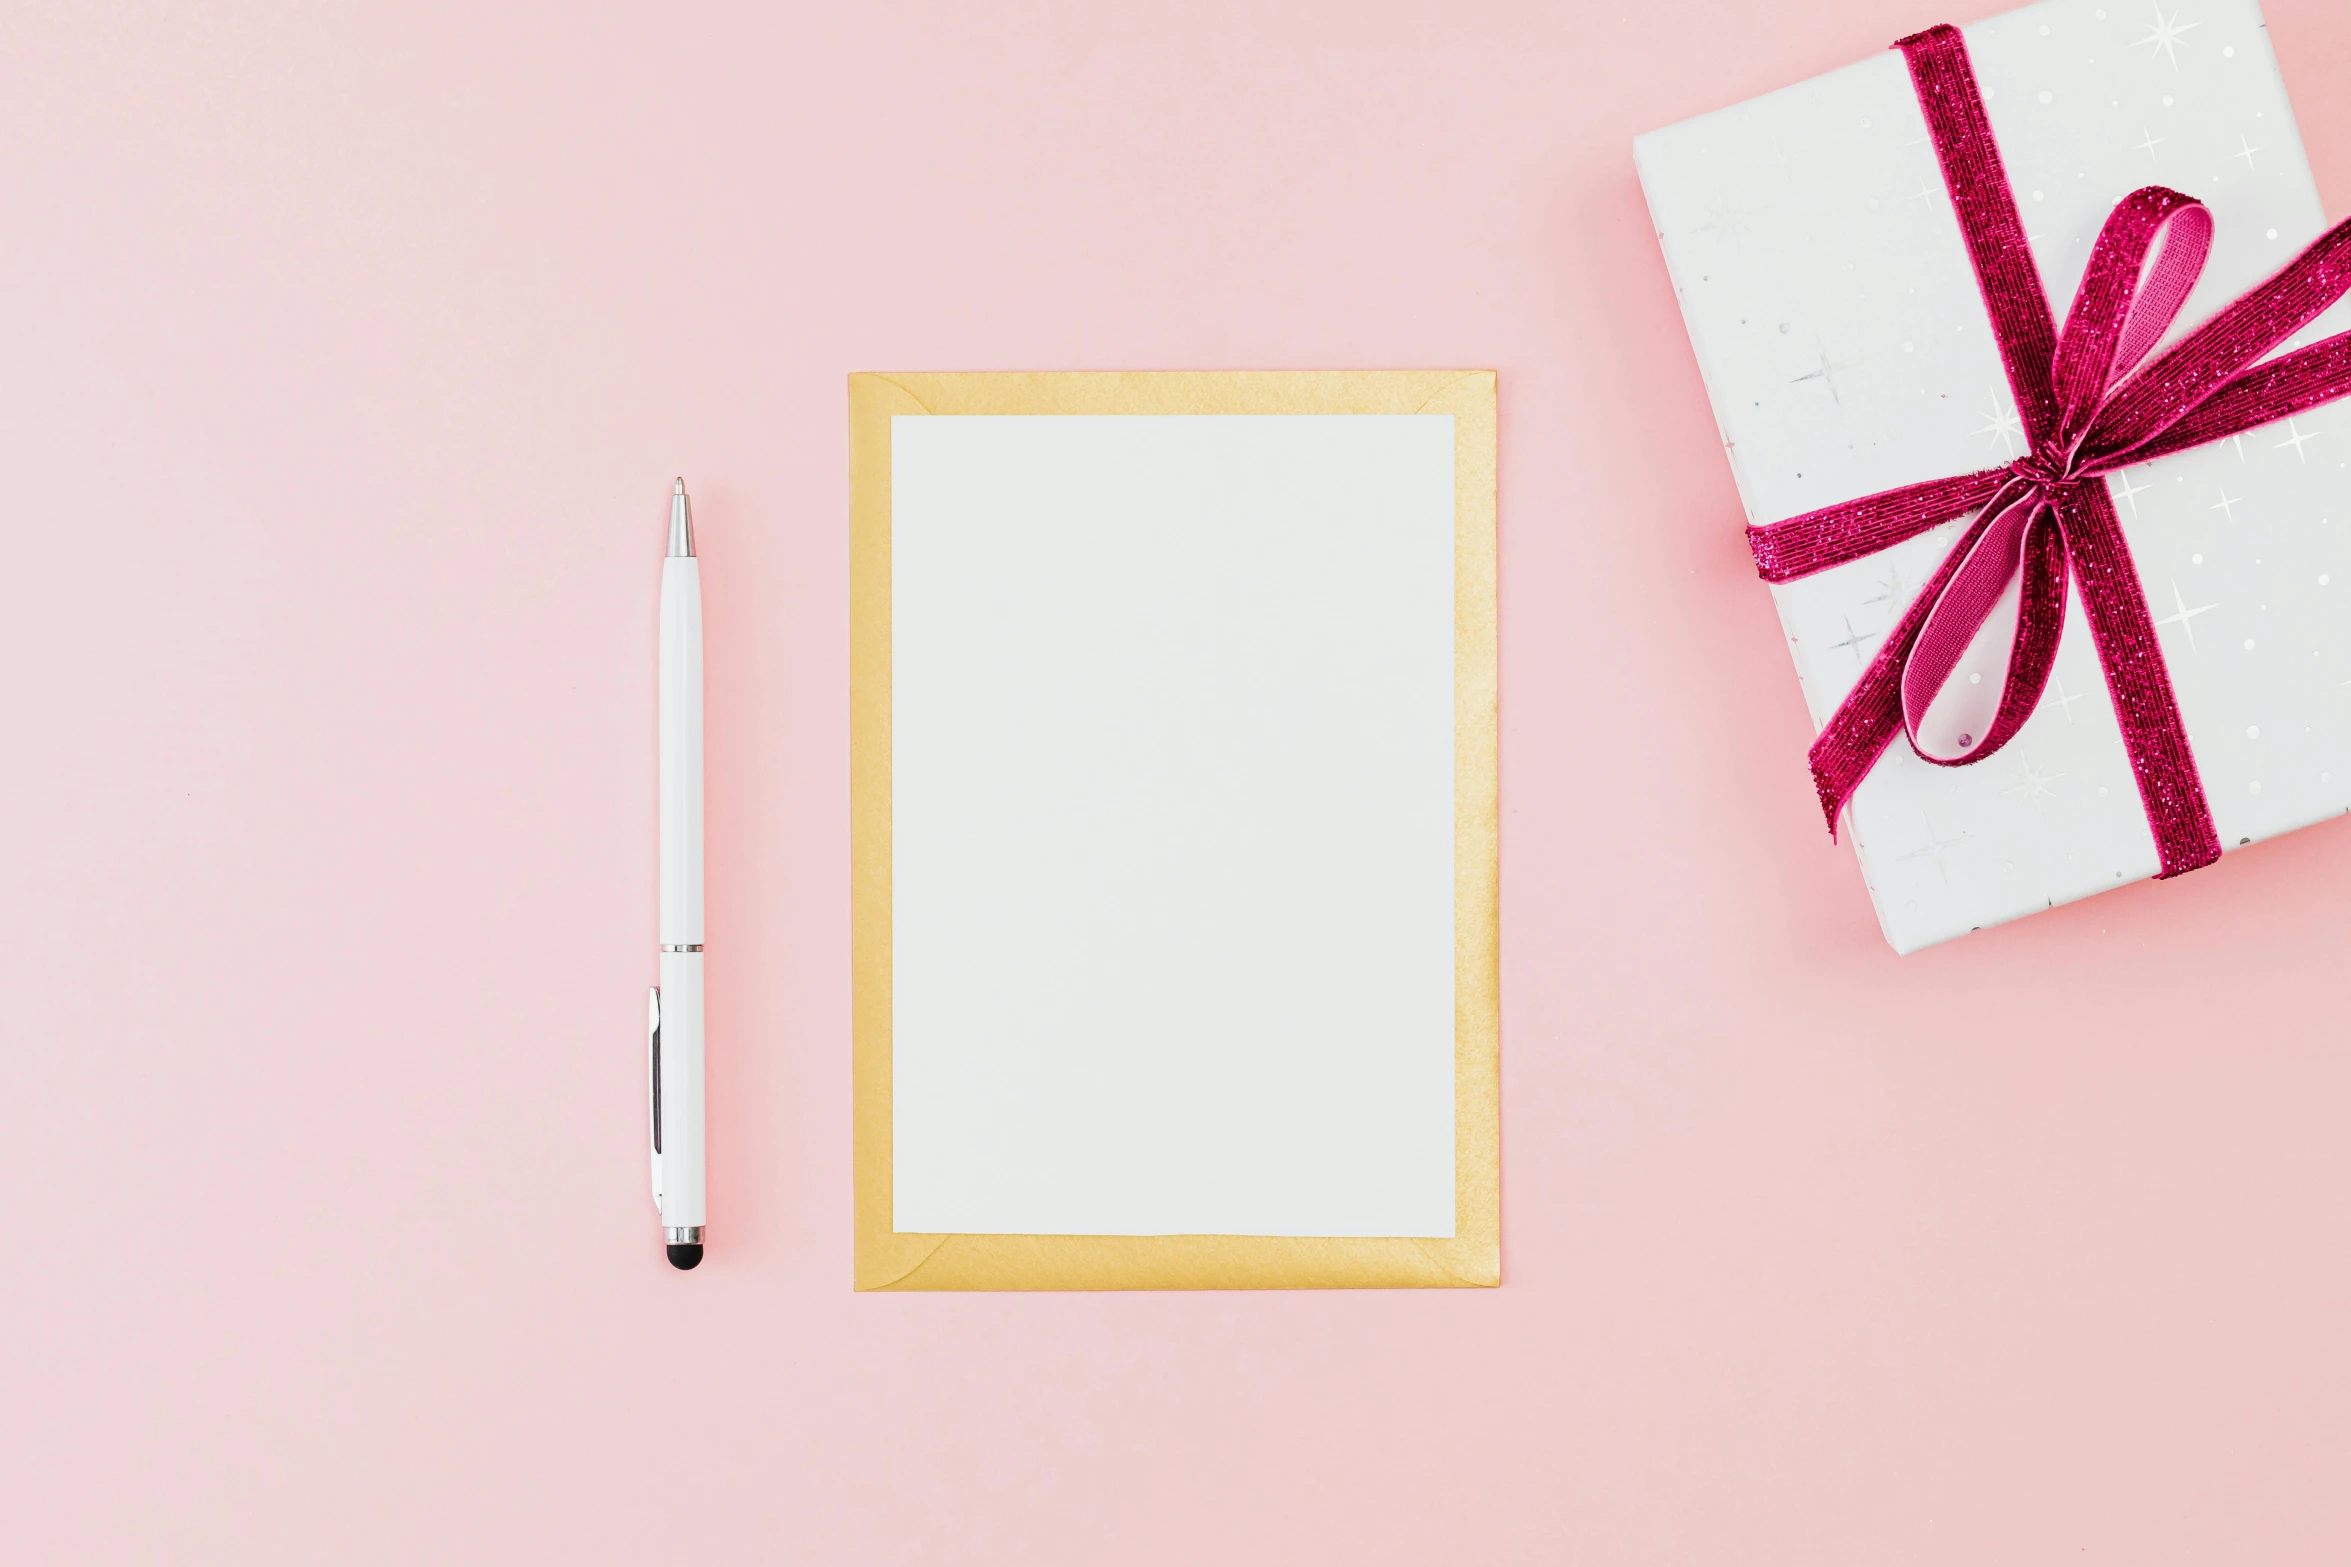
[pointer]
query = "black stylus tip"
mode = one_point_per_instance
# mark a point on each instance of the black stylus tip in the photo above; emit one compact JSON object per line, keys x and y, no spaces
{"x":685,"y":1256}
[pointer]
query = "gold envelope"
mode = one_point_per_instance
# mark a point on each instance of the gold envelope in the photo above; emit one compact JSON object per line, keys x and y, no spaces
{"x":889,"y":1259}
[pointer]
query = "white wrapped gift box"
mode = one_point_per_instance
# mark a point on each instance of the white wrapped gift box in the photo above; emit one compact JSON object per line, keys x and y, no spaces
{"x":1845,"y":349}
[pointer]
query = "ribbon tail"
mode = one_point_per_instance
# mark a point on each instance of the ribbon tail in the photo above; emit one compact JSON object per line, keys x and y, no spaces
{"x":1833,"y":535}
{"x":2273,"y":390}
{"x":2132,"y":657}
{"x":1857,"y":734}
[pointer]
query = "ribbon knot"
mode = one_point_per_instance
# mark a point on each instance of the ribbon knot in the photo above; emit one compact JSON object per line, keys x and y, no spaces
{"x":2046,"y":472}
{"x":1964,"y":667}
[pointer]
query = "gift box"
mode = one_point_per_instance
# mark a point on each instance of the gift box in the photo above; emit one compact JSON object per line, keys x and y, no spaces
{"x":1849,"y":255}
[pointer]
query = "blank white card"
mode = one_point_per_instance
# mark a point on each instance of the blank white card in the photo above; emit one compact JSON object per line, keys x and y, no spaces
{"x":1172,"y":825}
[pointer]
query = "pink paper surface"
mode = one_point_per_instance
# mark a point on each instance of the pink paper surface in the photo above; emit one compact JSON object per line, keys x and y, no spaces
{"x":345,"y":359}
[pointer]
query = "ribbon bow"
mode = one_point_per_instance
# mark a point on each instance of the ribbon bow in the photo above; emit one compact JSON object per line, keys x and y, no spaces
{"x":2091,"y":403}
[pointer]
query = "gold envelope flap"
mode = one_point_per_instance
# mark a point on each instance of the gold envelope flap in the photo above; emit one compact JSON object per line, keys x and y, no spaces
{"x":889,"y":1259}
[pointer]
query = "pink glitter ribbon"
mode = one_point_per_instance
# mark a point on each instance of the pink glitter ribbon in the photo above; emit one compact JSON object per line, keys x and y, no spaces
{"x":2088,"y":408}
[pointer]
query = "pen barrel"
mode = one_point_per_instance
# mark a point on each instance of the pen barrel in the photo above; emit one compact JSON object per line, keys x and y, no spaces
{"x":681,"y":1090}
{"x":681,"y":752}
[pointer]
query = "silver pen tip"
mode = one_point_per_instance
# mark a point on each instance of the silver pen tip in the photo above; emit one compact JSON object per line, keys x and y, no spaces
{"x":681,"y":521}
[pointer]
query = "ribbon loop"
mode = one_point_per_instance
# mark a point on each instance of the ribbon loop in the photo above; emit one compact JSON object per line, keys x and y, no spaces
{"x":1979,"y":626}
{"x":2144,"y":264}
{"x":2202,"y":364}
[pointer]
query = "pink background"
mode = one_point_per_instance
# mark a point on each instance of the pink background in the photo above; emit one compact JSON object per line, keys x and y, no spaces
{"x":345,"y":358}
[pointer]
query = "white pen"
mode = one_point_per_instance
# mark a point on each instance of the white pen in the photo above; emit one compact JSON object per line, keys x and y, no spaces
{"x":674,"y":1041}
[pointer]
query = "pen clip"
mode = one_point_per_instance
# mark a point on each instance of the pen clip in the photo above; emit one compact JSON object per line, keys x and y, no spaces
{"x":653,"y":1083}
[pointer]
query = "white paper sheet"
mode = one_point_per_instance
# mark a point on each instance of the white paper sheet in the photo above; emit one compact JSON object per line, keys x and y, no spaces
{"x":1172,"y":825}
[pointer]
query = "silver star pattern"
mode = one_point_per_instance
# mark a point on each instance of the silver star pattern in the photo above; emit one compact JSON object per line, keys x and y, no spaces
{"x":1890,"y":589}
{"x":2065,"y":699}
{"x":2295,"y":439}
{"x":1825,"y":372}
{"x":2033,"y":784}
{"x":1937,"y":849}
{"x":2164,"y":37}
{"x":2002,"y":424}
{"x":1726,"y":225}
{"x":2131,"y":492}
{"x":1854,"y":642}
{"x":2183,"y":617}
